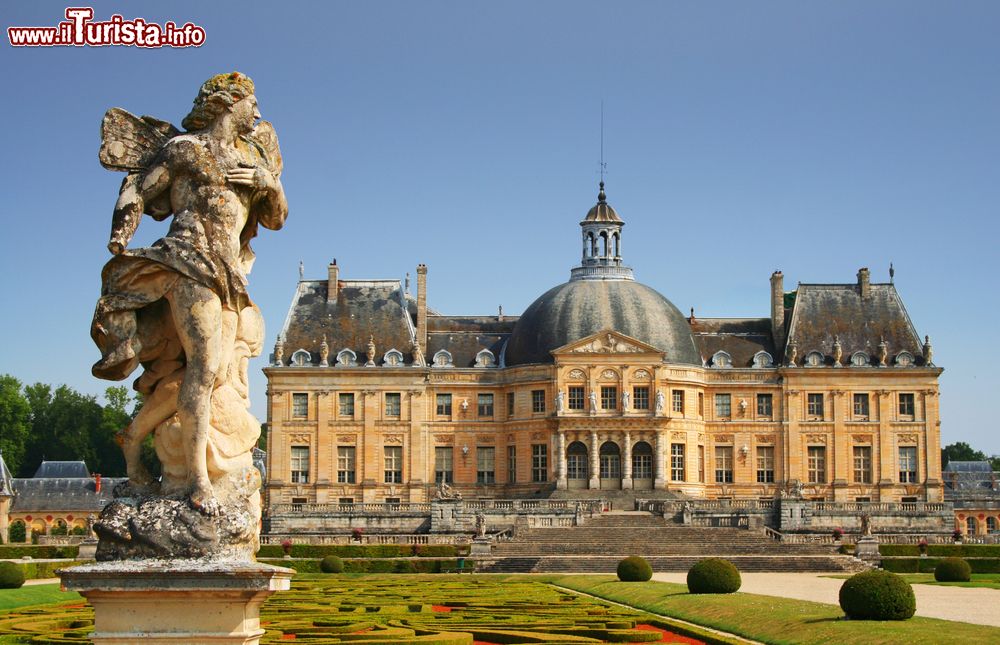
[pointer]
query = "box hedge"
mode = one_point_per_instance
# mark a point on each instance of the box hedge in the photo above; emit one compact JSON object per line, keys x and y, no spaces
{"x":942,"y":550}
{"x":634,"y":569}
{"x":877,"y":595}
{"x":362,"y":550}
{"x":377,"y":565}
{"x":952,"y":570}
{"x":714,"y":575}
{"x":17,"y":551}
{"x":11,"y":576}
{"x":927,"y":565}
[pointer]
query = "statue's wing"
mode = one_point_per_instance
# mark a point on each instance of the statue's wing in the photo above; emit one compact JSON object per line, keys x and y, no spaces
{"x":266,"y":140}
{"x":129,"y":142}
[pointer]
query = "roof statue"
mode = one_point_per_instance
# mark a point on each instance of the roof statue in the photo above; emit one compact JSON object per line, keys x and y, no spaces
{"x":181,"y":310}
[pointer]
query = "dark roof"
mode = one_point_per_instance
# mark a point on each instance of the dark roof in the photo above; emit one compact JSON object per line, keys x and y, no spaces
{"x":362,"y":308}
{"x":34,"y":495}
{"x":51,"y":469}
{"x":579,"y":308}
{"x":465,"y":336}
{"x":6,"y":481}
{"x":822,"y":311}
{"x":741,"y":338}
{"x":969,"y":467}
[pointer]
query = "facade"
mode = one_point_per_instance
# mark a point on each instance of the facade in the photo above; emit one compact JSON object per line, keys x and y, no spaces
{"x":974,"y":490}
{"x":601,"y":384}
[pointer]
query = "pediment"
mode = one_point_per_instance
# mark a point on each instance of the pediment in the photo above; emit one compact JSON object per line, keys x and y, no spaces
{"x":607,"y":341}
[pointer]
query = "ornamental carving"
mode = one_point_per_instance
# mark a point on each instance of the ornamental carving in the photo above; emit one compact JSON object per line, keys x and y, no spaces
{"x":537,"y":435}
{"x":510,"y":438}
{"x":609,"y":375}
{"x":816,"y":438}
{"x":766,"y":438}
{"x":444,"y":439}
{"x":577,"y":375}
{"x":300,"y":438}
{"x":861,"y":438}
{"x":724,"y":438}
{"x":606,"y":345}
{"x":907,"y":438}
{"x":486,"y":438}
{"x":347,"y":438}
{"x":393,"y":438}
{"x":678,"y":435}
{"x":641,"y":375}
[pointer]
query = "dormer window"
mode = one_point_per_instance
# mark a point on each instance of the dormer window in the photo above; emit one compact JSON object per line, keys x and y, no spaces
{"x":904,"y":359}
{"x":763,"y":359}
{"x":814,"y":359}
{"x":393,"y":358}
{"x":346,"y":358}
{"x":860,"y":359}
{"x":722,"y":359}
{"x":301,"y":358}
{"x":485,"y":358}
{"x":443,"y":359}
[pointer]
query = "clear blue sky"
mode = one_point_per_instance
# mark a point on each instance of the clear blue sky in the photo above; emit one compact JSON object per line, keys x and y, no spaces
{"x":741,"y":138}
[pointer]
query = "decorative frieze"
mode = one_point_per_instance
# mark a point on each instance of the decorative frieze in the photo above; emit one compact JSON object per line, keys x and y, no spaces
{"x":907,"y":438}
{"x":449,"y":439}
{"x":300,"y":437}
{"x":816,"y":438}
{"x":641,"y":375}
{"x":577,"y":375}
{"x":347,"y":439}
{"x":393,"y":438}
{"x":862,"y":438}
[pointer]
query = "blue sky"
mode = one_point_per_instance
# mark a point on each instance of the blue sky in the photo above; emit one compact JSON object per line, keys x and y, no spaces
{"x":740,"y":138}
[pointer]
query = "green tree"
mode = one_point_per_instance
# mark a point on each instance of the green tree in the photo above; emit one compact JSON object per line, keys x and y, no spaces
{"x":961,"y":451}
{"x":15,"y":422}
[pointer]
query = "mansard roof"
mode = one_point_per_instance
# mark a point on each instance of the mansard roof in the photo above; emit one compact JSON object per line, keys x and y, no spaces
{"x":465,"y":336}
{"x":60,"y":469}
{"x":741,"y":338}
{"x":36,"y":495}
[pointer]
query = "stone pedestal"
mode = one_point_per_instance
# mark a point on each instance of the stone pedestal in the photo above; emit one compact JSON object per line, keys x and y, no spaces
{"x":866,"y":550}
{"x":190,"y":602}
{"x":88,"y":549}
{"x":481,"y":547}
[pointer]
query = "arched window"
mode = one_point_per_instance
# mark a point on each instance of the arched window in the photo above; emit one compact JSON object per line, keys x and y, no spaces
{"x":393,"y":358}
{"x":763,"y":359}
{"x":485,"y":358}
{"x":611,"y":460}
{"x":618,"y":245}
{"x":722,"y":359}
{"x":642,"y":461}
{"x":576,"y":461}
{"x":904,"y":359}
{"x":443,"y":359}
{"x":346,"y":358}
{"x":814,"y":359}
{"x":991,"y":524}
{"x":301,"y":358}
{"x":860,"y":359}
{"x":604,"y":244}
{"x":970,"y":526}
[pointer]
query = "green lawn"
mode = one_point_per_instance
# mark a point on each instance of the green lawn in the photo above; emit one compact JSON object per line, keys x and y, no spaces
{"x":985,"y":580}
{"x":34,"y":595}
{"x":775,"y":620}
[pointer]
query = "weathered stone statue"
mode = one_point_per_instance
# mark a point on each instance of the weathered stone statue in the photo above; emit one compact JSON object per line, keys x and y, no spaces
{"x":838,"y":351}
{"x":626,"y":401}
{"x":660,"y":402}
{"x":883,"y":352}
{"x":866,"y":523}
{"x":793,"y":353}
{"x":593,"y":402}
{"x":928,"y":352}
{"x":180,"y":308}
{"x":480,"y":524}
{"x":560,"y":401}
{"x":371,"y":352}
{"x":418,"y":355}
{"x":446,"y":492}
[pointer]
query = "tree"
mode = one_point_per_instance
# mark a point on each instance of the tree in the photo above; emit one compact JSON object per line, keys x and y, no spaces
{"x":961,"y":451}
{"x":15,"y":422}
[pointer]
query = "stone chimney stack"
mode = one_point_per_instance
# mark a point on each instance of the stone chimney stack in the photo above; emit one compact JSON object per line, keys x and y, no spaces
{"x":332,"y":281}
{"x":778,"y":309}
{"x":864,"y":282}
{"x":422,"y":305}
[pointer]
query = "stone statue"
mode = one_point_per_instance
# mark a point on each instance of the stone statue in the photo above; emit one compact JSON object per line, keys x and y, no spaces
{"x":928,"y":352}
{"x":446,"y":492}
{"x":866,"y":523}
{"x":626,"y":399}
{"x":371,"y":351}
{"x":324,"y":353}
{"x":180,"y":308}
{"x":593,"y":402}
{"x":838,"y":351}
{"x":279,"y":351}
{"x":660,"y":402}
{"x":418,"y":355}
{"x":560,"y":399}
{"x":793,"y":353}
{"x":480,"y":525}
{"x":883,"y":352}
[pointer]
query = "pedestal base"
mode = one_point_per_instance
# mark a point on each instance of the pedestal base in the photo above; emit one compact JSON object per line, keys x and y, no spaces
{"x":866,"y":550}
{"x":481,"y":547}
{"x":161,"y":602}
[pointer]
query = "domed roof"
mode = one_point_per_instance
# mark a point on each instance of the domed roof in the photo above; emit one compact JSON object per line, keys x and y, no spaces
{"x":579,"y":308}
{"x":602,"y":210}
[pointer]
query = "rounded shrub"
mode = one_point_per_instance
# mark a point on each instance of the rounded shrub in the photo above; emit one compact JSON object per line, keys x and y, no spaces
{"x":877,"y":595}
{"x":331,"y":564}
{"x":634,"y":569}
{"x":714,"y":575}
{"x":11,"y":575}
{"x":952,"y":570}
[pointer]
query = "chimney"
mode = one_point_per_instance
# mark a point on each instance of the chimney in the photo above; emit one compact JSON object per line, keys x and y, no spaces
{"x":864,"y":282}
{"x":778,"y":309}
{"x":97,"y":482}
{"x":422,"y":305}
{"x":332,"y":281}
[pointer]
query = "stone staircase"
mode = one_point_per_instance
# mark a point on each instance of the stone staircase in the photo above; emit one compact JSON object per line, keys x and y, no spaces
{"x":602,"y":542}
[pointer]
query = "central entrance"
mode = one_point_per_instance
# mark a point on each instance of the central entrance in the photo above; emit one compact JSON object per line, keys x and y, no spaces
{"x":642,"y":466}
{"x":611,"y":466}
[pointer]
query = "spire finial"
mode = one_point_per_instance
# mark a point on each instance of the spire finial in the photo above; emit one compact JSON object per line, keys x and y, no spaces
{"x":601,"y":197}
{"x":892,"y":273}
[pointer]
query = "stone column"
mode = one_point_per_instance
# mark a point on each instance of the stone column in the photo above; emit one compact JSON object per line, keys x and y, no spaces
{"x":325,"y":446}
{"x":659,"y":481}
{"x":595,"y":462}
{"x":561,"y":482}
{"x":886,"y":473}
{"x":627,"y":464}
{"x":842,"y":457}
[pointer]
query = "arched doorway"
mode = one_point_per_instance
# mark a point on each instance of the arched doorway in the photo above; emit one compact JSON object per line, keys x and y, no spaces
{"x":611,"y":466}
{"x":642,"y":466}
{"x":576,"y":465}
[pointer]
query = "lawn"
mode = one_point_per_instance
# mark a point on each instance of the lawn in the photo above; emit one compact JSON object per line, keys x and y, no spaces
{"x":775,"y":620}
{"x":34,"y":595}
{"x":984,"y":580}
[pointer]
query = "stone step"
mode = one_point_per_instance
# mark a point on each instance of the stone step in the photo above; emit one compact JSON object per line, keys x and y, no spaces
{"x":608,"y":564}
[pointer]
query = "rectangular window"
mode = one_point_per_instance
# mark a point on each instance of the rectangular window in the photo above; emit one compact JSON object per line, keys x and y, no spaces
{"x":510,"y":405}
{"x":861,"y":405}
{"x":862,"y":464}
{"x":723,"y":406}
{"x":817,"y":465}
{"x":701,"y":464}
{"x":642,"y":466}
{"x":724,"y":464}
{"x":486,"y":457}
{"x":538,"y":401}
{"x":393,"y":464}
{"x":640,"y":397}
{"x":765,"y":407}
{"x":539,"y":462}
{"x":677,"y":462}
{"x":345,"y":465}
{"x":609,"y":397}
{"x":485,"y":406}
{"x":908,"y":464}
{"x":814,"y":404}
{"x":300,"y":464}
{"x":443,"y":405}
{"x":393,"y":503}
{"x":346,"y":501}
{"x":701,"y":405}
{"x":677,"y":401}
{"x":346,"y":404}
{"x":765,"y":464}
{"x":300,"y":405}
{"x":444,"y":465}
{"x":511,"y":464}
{"x":906,"y":406}
{"x":576,"y":398}
{"x":392,"y":404}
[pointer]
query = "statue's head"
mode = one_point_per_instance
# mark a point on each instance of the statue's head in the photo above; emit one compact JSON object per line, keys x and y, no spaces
{"x":217,"y":95}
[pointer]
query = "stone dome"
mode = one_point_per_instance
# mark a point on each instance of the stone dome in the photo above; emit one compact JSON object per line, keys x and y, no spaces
{"x":579,"y":308}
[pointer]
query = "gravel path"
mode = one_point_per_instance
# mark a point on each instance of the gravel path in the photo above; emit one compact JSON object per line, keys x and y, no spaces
{"x":963,"y":604}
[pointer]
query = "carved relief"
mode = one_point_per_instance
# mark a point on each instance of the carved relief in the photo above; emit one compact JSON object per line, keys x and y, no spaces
{"x":680,"y":436}
{"x":609,"y":375}
{"x":861,"y":438}
{"x":577,"y":375}
{"x":641,"y":375}
{"x":537,"y":435}
{"x":486,"y":438}
{"x":393,"y":438}
{"x":766,"y":438}
{"x":347,"y":438}
{"x":816,"y":438}
{"x":607,"y":345}
{"x":723,"y":438}
{"x":300,"y":438}
{"x":444,"y":439}
{"x":907,"y":438}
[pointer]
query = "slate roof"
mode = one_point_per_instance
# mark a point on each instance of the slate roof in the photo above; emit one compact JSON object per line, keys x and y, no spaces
{"x":6,"y":481}
{"x":741,"y":338}
{"x":970,"y":481}
{"x":56,"y":469}
{"x":822,"y":311}
{"x":37,"y":495}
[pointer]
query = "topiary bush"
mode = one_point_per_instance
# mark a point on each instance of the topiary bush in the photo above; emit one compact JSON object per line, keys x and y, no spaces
{"x":331,"y":564}
{"x":714,"y":575}
{"x":11,"y":576}
{"x":634,"y":569}
{"x":952,"y":570}
{"x":877,"y":595}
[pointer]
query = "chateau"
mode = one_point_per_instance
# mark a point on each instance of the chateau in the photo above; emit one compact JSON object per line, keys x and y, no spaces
{"x":601,"y":384}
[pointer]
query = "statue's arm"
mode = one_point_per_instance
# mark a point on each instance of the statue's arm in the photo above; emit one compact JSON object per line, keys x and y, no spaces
{"x":269,"y":205}
{"x":137,"y":189}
